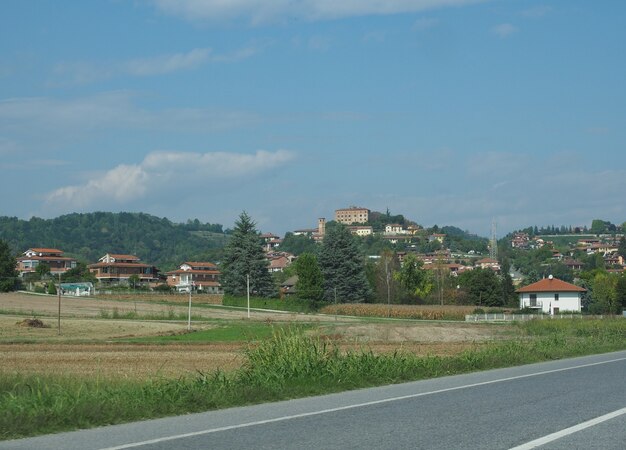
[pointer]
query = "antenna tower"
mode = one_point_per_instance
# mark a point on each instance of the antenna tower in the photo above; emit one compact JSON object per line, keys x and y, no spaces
{"x":493,"y":242}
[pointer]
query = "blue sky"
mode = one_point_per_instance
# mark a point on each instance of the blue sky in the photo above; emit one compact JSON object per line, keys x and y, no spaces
{"x":451,"y":112}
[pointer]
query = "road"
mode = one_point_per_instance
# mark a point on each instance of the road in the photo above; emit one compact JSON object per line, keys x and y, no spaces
{"x":573,"y":403}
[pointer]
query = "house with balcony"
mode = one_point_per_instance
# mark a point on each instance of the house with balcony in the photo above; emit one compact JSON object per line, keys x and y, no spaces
{"x":551,"y":296}
{"x":52,"y":257}
{"x":198,"y":276}
{"x":118,"y":268}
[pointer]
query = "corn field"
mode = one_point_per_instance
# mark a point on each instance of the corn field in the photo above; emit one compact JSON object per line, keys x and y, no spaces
{"x":419,"y":312}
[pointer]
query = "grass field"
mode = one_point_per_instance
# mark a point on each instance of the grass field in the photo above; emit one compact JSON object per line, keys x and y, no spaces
{"x":103,"y":370}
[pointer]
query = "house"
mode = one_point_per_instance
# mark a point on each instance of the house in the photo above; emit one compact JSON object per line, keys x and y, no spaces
{"x":436,"y":237}
{"x":270,"y":241}
{"x":488,"y":263}
{"x":394,"y":228}
{"x":574,"y":264}
{"x":520,"y":240}
{"x":551,"y":296}
{"x":52,"y":257}
{"x":199,"y":276}
{"x":116,"y":268}
{"x":361,"y":230}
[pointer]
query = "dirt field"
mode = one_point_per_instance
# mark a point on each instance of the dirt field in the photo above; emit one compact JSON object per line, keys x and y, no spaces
{"x":95,"y":307}
{"x":86,"y":345}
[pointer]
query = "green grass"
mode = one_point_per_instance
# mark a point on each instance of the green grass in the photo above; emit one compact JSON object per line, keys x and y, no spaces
{"x":290,"y":364}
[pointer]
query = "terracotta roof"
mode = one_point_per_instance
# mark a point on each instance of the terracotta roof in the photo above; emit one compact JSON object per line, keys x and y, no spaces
{"x":199,"y":264}
{"x":45,"y":250}
{"x":551,"y":285}
{"x":121,"y":256}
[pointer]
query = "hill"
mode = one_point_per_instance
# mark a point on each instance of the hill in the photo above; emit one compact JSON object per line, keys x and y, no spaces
{"x":89,"y":236}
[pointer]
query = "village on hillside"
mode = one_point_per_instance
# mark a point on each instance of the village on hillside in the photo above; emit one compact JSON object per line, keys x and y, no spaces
{"x":448,"y":255}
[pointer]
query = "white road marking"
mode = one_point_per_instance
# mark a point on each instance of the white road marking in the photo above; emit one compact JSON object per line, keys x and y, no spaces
{"x":343,"y":408}
{"x":567,"y":431}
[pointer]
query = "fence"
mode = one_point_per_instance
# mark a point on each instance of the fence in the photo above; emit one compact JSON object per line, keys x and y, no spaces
{"x":514,"y":317}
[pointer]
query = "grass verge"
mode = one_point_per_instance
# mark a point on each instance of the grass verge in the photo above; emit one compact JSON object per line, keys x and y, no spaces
{"x":290,"y":364}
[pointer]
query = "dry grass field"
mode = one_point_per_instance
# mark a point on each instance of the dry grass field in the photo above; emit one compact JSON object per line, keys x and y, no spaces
{"x":91,"y":346}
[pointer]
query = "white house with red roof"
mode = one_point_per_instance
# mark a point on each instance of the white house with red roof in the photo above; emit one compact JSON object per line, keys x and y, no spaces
{"x":551,"y":296}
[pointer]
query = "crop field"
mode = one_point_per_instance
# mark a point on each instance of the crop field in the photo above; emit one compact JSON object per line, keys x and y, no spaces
{"x":143,"y":339}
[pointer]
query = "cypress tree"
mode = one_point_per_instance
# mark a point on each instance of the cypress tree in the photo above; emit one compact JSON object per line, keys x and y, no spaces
{"x":243,"y":255}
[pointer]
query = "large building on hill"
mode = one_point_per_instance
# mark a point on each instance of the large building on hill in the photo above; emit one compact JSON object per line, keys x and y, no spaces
{"x":353,"y":214}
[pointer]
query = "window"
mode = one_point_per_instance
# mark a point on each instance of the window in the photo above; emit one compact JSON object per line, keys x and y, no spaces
{"x":533,"y":299}
{"x":556,"y":297}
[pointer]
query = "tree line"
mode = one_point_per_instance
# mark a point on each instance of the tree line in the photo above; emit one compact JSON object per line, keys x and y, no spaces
{"x":89,"y":236}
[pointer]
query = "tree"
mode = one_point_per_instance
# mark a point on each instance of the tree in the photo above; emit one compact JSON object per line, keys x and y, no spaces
{"x":481,"y":287}
{"x":343,"y":267}
{"x":414,"y":278}
{"x":9,"y":280}
{"x":310,"y":284}
{"x":134,"y":280}
{"x":79,"y":273}
{"x":386,"y":285}
{"x":244,"y":256}
{"x":620,"y":291}
{"x":297,"y":244}
{"x":605,"y":295}
{"x":42,"y":270}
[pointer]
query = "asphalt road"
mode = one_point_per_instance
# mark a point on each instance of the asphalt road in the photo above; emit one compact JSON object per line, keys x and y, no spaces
{"x":575,"y":404}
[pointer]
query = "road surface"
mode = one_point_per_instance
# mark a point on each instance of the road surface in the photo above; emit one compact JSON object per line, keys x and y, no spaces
{"x":567,"y":404}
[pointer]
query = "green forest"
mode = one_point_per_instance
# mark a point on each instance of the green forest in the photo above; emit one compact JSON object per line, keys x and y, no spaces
{"x":90,"y":236}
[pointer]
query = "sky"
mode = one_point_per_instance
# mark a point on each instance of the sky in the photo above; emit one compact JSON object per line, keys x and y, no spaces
{"x":450,"y":112}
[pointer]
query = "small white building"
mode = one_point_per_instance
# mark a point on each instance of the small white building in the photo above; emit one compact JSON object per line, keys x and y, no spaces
{"x":551,"y":296}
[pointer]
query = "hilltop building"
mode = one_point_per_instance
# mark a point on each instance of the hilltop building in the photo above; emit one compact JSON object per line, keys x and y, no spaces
{"x":351,"y":215}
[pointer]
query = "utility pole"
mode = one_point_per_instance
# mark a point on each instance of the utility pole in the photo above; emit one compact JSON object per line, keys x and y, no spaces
{"x":189,"y":314}
{"x":59,"y":295}
{"x":248,"y":291}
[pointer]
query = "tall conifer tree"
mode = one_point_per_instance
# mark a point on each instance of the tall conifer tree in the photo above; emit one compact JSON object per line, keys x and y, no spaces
{"x":343,"y":267}
{"x":244,"y":256}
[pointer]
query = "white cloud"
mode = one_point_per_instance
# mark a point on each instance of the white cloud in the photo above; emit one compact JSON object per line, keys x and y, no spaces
{"x":504,"y":30}
{"x":260,"y":11}
{"x":83,"y":72}
{"x":164,"y":172}
{"x":167,"y":63}
{"x":536,"y":12}
{"x":109,"y":110}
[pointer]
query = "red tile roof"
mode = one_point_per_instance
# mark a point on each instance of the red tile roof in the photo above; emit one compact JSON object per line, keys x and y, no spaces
{"x":45,"y":250}
{"x":551,"y":285}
